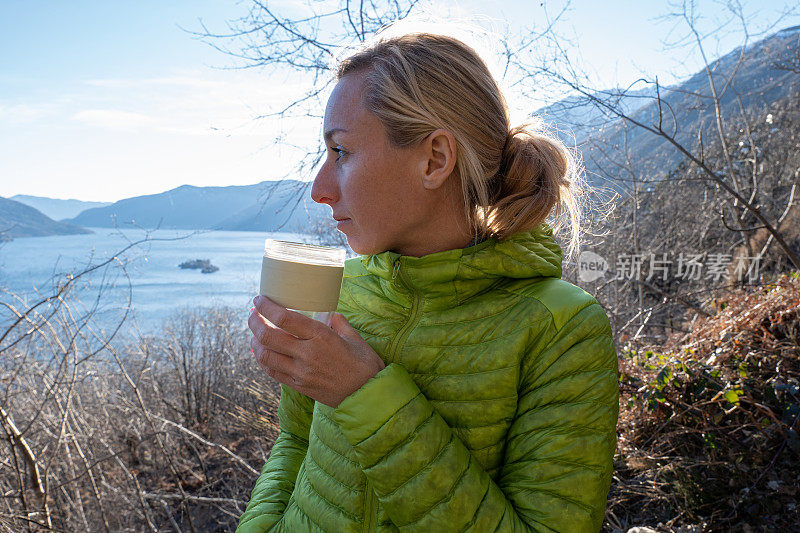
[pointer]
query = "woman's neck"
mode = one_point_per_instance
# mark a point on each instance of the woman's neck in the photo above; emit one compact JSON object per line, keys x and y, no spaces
{"x":443,"y":229}
{"x":436,"y":242}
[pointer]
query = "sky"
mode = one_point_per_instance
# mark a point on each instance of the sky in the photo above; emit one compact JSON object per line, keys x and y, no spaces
{"x":104,"y":100}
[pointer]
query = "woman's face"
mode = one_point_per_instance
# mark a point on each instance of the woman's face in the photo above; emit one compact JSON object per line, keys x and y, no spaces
{"x":374,"y":189}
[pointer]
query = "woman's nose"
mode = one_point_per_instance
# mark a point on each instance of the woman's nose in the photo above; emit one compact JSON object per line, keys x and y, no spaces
{"x":324,"y":191}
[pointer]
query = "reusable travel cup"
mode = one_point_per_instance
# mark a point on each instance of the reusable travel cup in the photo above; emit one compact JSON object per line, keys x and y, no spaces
{"x":303,"y":277}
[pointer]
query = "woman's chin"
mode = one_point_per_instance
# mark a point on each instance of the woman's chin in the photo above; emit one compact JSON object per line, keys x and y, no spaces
{"x":360,"y":246}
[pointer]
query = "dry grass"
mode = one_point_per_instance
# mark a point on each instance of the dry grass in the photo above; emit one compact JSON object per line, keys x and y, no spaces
{"x":166,"y":432}
{"x":708,"y":429}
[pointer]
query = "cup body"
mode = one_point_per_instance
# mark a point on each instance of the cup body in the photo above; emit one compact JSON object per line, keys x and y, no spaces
{"x":303,"y":277}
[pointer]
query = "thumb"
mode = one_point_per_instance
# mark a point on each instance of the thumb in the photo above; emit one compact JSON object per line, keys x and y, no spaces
{"x":340,"y":325}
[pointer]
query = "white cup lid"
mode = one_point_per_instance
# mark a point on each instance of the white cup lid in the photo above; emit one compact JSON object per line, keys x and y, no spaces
{"x":304,"y":253}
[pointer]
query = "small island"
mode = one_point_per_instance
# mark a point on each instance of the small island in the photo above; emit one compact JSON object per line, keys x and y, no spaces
{"x":204,"y":265}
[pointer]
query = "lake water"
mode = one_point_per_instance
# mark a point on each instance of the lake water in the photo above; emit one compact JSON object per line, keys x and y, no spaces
{"x":159,"y":287}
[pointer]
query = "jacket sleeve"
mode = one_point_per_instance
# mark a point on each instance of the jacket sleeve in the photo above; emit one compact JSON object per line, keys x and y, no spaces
{"x":559,"y":448}
{"x":276,"y":482}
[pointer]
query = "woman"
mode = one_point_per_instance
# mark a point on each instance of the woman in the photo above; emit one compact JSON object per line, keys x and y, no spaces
{"x":462,"y":385}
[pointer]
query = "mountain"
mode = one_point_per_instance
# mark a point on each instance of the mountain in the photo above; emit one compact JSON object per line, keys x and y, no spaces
{"x":265,"y":206}
{"x":577,"y":118}
{"x":688,"y":110}
{"x":55,"y":208}
{"x":20,"y":220}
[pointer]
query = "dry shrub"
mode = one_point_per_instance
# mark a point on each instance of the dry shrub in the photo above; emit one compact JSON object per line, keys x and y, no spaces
{"x":708,"y":430}
{"x":164,"y":432}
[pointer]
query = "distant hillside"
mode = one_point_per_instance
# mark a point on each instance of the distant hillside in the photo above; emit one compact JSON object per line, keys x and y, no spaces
{"x":55,"y":208}
{"x":576,"y":118}
{"x":20,"y":220}
{"x":265,"y":206}
{"x":758,"y":82}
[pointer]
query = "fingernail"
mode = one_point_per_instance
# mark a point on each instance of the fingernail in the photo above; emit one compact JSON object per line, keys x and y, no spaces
{"x":251,"y":311}
{"x":255,"y":300}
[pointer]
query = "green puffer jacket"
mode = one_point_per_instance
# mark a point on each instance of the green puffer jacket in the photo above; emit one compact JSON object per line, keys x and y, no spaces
{"x":496,"y":410}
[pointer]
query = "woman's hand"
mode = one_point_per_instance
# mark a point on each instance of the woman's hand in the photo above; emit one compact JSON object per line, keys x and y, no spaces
{"x":325,"y":363}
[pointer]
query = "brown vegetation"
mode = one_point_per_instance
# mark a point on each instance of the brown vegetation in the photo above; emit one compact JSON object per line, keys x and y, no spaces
{"x":708,"y":430}
{"x":164,"y":432}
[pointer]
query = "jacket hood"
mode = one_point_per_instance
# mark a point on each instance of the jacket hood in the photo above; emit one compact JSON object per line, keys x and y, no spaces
{"x":448,"y":278}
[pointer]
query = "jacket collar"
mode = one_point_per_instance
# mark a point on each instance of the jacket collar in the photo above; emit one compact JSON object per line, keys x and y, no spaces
{"x":446,"y":279}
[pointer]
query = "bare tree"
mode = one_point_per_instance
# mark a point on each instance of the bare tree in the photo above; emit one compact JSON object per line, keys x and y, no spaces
{"x":91,"y":438}
{"x":306,"y":44}
{"x":706,"y":164}
{"x":678,"y":118}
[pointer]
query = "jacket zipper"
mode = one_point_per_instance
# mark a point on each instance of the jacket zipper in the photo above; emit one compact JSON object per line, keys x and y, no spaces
{"x":370,"y":508}
{"x":414,"y":315}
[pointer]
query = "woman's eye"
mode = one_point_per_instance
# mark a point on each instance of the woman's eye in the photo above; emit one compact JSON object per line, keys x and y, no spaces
{"x":340,"y":152}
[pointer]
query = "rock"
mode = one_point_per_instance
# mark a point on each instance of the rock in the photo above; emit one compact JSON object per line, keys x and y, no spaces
{"x":641,"y":529}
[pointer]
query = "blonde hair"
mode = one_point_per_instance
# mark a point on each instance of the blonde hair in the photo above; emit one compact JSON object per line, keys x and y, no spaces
{"x":511,"y":178}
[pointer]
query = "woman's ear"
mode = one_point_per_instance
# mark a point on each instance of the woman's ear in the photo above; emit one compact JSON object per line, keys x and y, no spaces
{"x":439,"y":158}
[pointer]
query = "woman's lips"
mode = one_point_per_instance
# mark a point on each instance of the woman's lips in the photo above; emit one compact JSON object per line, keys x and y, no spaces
{"x":341,"y":222}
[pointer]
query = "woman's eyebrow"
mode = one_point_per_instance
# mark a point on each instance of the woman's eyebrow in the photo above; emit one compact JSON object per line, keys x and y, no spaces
{"x":330,"y":132}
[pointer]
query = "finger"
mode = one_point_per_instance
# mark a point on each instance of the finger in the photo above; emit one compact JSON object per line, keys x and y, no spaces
{"x":272,"y":360}
{"x":342,"y":327}
{"x":271,"y":337}
{"x":292,"y":322}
